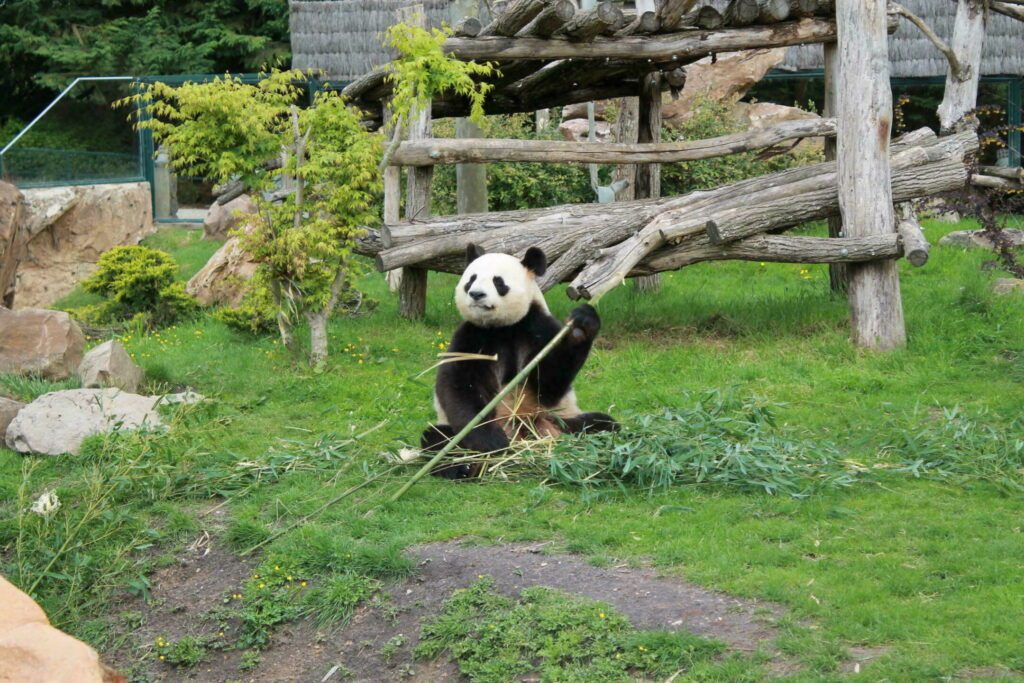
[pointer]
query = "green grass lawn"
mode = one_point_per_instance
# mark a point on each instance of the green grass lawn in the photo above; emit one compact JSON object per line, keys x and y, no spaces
{"x":931,"y":568}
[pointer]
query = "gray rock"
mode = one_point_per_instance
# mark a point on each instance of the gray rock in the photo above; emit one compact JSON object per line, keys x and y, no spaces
{"x":34,"y":341}
{"x":975,"y":239}
{"x":109,"y":365}
{"x":1008,"y":285}
{"x":183,"y":398}
{"x":221,"y":219}
{"x":58,"y":422}
{"x":8,"y":409}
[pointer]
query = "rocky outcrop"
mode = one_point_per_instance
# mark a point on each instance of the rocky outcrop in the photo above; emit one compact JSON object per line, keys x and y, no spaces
{"x":221,"y":219}
{"x":39,"y":342}
{"x":109,"y":365}
{"x":58,"y":422}
{"x":977,"y":239}
{"x":8,"y":409}
{"x":577,"y":130}
{"x":726,"y":78}
{"x":761,"y":115}
{"x":68,"y":228}
{"x":33,"y":650}
{"x":223,"y":279}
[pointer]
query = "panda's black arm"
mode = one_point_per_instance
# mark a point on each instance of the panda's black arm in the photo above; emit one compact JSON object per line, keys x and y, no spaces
{"x":464,"y":388}
{"x":554,"y":376}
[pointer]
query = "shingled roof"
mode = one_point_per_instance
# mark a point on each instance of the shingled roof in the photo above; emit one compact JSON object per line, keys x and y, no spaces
{"x":913,"y":56}
{"x":342,"y":38}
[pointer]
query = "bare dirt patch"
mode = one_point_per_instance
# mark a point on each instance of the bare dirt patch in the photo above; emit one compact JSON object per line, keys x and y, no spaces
{"x":377,"y":644}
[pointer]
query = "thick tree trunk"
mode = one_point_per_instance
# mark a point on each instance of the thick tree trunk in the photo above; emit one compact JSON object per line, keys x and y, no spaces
{"x":961,"y":96}
{"x":865,"y":178}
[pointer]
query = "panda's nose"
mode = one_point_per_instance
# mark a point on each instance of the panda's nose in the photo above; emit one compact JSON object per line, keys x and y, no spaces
{"x":476,"y":296}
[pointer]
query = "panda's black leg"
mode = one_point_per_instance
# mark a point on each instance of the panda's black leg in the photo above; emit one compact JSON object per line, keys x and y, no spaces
{"x":436,"y":437}
{"x":590,"y":423}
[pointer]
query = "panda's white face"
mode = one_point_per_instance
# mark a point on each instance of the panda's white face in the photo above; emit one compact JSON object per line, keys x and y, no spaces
{"x":496,"y":290}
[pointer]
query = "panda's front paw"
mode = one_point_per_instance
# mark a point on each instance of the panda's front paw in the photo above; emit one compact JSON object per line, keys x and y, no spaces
{"x":586,"y":323}
{"x":488,"y":438}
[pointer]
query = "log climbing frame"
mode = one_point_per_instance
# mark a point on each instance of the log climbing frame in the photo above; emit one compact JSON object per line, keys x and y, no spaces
{"x":549,"y":53}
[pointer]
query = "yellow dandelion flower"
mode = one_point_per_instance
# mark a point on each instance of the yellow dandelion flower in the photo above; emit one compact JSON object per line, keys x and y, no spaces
{"x":601,"y":615}
{"x":162,"y":657}
{"x":303,"y":584}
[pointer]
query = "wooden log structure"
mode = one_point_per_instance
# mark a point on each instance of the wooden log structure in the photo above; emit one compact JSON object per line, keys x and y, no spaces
{"x":1008,"y":8}
{"x":778,"y":201}
{"x":997,"y":182}
{"x":741,"y":12}
{"x":586,"y":25}
{"x":772,"y":11}
{"x":435,"y":151}
{"x":516,"y":15}
{"x":549,"y":20}
{"x":961,"y":95}
{"x":671,"y":12}
{"x":706,"y":17}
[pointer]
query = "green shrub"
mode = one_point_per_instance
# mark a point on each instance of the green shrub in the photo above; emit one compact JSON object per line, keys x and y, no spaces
{"x":256,"y":313}
{"x":137,"y":281}
{"x":712,"y":119}
{"x":513,"y":186}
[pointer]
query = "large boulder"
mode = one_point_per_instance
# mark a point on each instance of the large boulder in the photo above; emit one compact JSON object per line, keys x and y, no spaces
{"x":761,"y":115}
{"x":33,"y":650}
{"x":977,"y":239}
{"x":8,"y":409}
{"x":58,"y":422}
{"x":68,"y":229}
{"x":1002,"y":286}
{"x":39,"y":342}
{"x":221,"y":219}
{"x":224,"y":277}
{"x":109,"y":365}
{"x":725,"y":78}
{"x":577,"y":130}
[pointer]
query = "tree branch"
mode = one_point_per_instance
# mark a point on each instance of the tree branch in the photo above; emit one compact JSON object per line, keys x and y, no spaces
{"x":961,"y":71}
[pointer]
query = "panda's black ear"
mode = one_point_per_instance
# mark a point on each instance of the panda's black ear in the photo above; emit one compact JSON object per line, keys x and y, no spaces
{"x":473,"y":252}
{"x":535,"y":261}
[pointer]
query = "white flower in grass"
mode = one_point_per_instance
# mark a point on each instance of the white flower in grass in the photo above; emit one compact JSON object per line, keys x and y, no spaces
{"x":46,"y":504}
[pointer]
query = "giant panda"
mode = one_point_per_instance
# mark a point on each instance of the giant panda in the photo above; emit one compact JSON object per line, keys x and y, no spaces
{"x":505,"y":315}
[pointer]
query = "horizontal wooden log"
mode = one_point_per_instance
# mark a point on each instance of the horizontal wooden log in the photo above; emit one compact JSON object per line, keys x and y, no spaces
{"x":643,"y":24}
{"x":517,"y":14}
{"x":775,"y":249}
{"x":784,"y":200}
{"x":671,"y":12}
{"x":588,"y":24}
{"x":550,"y":19}
{"x":915,"y":245}
{"x":741,"y":12}
{"x":477,"y":151}
{"x":772,"y":11}
{"x":1008,"y":172}
{"x":995,"y":182}
{"x":660,"y":48}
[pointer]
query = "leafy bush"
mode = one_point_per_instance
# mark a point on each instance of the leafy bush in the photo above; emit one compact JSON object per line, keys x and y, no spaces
{"x":137,"y":281}
{"x":256,"y":313}
{"x":513,"y":186}
{"x":712,"y":119}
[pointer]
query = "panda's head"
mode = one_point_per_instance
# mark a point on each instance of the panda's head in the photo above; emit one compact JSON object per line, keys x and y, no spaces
{"x":498,"y":289}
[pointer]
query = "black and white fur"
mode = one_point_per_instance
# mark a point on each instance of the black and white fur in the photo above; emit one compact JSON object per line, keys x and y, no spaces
{"x":505,"y":315}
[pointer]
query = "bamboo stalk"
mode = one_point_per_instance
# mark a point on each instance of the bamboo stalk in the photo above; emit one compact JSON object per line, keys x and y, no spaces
{"x":486,"y":411}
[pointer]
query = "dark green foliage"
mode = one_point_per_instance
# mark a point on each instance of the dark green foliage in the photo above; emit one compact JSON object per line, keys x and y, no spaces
{"x":553,"y":636}
{"x":712,"y":119}
{"x":137,"y":280}
{"x":47,"y":43}
{"x":254,"y":315}
{"x":513,"y":185}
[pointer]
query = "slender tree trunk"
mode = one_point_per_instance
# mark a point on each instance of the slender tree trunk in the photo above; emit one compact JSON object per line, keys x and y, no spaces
{"x":648,"y":176}
{"x":838,"y":273}
{"x":961,"y":96}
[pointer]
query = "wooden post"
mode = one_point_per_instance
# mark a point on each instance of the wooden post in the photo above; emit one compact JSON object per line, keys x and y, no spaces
{"x":961,"y":96}
{"x":471,"y":179}
{"x":864,"y":175}
{"x":648,"y":176}
{"x":412,"y":291}
{"x":838,"y":273}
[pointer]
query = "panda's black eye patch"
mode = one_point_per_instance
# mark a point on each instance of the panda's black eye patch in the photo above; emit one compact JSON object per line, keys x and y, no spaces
{"x":501,"y":287}
{"x":469,"y":283}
